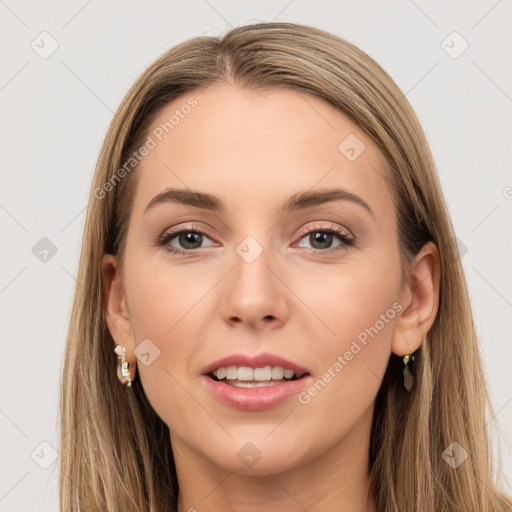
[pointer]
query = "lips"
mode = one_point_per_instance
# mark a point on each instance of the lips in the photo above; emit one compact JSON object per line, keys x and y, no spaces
{"x":261,"y":360}
{"x":254,"y":396}
{"x":254,"y":399}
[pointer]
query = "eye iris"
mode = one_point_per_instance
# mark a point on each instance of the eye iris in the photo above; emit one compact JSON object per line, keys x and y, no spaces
{"x":190,"y":237}
{"x":322,"y":237}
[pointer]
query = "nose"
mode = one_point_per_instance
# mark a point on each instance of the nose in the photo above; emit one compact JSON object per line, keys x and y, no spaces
{"x":254,"y":293}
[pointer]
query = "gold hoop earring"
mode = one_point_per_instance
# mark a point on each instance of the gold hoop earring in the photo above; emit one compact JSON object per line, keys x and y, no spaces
{"x":406,"y":371}
{"x":123,"y":366}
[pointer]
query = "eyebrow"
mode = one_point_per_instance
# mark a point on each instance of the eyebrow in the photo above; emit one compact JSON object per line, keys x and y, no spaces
{"x":296,"y":202}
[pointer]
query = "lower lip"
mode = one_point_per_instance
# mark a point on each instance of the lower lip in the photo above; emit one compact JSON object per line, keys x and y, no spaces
{"x":254,"y":399}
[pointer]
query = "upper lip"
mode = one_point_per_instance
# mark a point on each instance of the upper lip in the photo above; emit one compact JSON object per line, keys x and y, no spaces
{"x":255,"y":361}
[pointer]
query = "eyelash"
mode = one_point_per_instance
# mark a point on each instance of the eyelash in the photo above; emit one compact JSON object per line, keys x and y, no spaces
{"x":341,"y":234}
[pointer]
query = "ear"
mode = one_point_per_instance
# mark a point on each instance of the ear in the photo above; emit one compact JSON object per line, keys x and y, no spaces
{"x":420,"y":301}
{"x":117,"y":315}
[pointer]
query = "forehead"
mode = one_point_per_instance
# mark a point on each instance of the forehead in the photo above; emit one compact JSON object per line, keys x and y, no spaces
{"x":245,"y":146}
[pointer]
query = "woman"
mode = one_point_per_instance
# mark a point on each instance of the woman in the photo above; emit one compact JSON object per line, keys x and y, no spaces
{"x":314,"y":347}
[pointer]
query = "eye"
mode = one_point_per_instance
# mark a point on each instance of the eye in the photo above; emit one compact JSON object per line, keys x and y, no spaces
{"x":188,"y":239}
{"x":321,"y":238}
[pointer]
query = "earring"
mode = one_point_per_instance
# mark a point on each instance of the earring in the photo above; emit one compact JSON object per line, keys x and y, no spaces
{"x":406,"y":370}
{"x":123,"y":366}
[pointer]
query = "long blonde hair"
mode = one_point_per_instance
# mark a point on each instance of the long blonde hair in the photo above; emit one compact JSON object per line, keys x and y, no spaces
{"x":115,"y":452}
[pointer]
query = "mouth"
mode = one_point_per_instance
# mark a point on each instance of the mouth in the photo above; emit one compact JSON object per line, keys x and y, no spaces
{"x":247,"y":377}
{"x":254,"y":395}
{"x":254,"y":382}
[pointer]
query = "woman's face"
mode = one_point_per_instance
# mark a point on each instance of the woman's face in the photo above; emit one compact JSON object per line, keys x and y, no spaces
{"x":257,"y":271}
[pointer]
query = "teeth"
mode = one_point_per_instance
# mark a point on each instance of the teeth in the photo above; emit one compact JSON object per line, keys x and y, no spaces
{"x":245,"y":374}
{"x":241,"y":384}
{"x":231,"y":372}
{"x":262,"y":374}
{"x":277,"y":372}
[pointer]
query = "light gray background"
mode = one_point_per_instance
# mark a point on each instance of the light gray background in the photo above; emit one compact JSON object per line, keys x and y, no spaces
{"x":55,"y":112}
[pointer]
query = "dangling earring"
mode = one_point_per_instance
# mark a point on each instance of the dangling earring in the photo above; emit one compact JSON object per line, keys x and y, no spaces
{"x":123,"y":366}
{"x":406,"y":370}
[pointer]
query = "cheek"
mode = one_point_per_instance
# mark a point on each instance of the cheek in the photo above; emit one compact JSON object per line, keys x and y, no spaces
{"x":365,"y":311}
{"x":359,"y":304}
{"x":350,"y":302}
{"x":164,"y":305}
{"x":162,"y":296}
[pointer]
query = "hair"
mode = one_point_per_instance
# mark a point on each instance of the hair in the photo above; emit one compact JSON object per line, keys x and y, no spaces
{"x":115,"y":450}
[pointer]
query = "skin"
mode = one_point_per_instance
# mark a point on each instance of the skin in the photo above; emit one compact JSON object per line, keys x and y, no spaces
{"x":254,"y":150}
